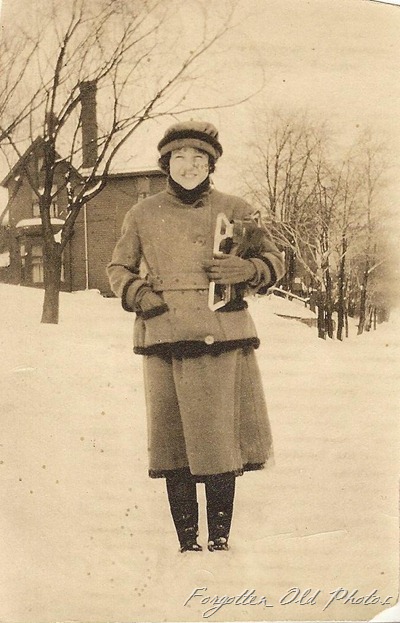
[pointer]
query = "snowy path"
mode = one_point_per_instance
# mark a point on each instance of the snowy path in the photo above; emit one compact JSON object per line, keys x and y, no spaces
{"x":88,"y":536}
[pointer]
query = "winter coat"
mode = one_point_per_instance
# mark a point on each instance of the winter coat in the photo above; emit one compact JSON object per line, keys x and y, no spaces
{"x":205,"y":403}
{"x":207,"y":413}
{"x":164,"y":243}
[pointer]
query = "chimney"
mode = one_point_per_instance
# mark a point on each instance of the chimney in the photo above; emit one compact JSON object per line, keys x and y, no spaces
{"x":89,"y":123}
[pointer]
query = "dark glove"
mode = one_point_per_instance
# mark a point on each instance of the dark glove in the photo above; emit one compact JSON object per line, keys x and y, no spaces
{"x":230,"y":269}
{"x":149,"y":303}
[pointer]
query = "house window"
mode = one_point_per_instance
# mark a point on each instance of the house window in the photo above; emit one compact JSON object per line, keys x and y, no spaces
{"x":53,"y":207}
{"x":62,"y":268}
{"x":23,"y":254}
{"x":37,"y":263}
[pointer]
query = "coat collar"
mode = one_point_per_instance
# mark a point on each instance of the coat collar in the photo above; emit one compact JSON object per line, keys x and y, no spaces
{"x":198,"y":198}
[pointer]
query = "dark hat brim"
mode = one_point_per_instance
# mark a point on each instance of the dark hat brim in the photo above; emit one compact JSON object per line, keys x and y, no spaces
{"x":190,"y":138}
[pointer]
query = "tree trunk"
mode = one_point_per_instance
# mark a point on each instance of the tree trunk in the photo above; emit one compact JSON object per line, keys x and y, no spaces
{"x":361,"y":318}
{"x":328,"y":305}
{"x":321,"y":324}
{"x":290,"y":261}
{"x":341,"y":319}
{"x":342,"y":292}
{"x":363,"y":302}
{"x":52,"y":282}
{"x":330,"y":327}
{"x":368,"y":325}
{"x":312,"y":301}
{"x":363,"y":298}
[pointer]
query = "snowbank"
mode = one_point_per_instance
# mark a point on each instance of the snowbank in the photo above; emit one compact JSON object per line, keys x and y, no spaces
{"x":89,"y":536}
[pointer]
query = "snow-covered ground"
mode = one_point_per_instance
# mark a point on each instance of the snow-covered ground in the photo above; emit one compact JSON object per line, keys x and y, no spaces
{"x":87,"y":535}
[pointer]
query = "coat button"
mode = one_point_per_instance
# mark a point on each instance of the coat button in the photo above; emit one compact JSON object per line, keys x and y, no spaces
{"x":209,"y":339}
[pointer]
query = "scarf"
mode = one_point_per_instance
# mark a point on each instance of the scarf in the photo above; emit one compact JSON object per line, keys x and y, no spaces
{"x":189,"y":196}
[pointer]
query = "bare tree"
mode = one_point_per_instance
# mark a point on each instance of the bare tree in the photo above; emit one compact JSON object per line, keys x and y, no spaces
{"x":290,"y":182}
{"x":346,"y":180}
{"x":125,"y":52}
{"x":16,"y":104}
{"x":281,"y":180}
{"x":322,"y":209}
{"x":13,"y":108}
{"x":371,"y":170}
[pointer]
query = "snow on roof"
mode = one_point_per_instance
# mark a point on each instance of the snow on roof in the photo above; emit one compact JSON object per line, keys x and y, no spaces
{"x":29,"y":222}
{"x":3,"y":206}
{"x":139,"y":170}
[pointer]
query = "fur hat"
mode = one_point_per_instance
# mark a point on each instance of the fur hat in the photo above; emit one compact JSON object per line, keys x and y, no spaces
{"x":199,"y":134}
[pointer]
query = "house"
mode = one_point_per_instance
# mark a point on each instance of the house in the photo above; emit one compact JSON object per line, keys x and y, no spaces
{"x":99,"y":222}
{"x":96,"y":230}
{"x":98,"y":226}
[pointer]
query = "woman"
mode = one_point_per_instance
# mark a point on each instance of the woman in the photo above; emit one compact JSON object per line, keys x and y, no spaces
{"x":207,"y":418}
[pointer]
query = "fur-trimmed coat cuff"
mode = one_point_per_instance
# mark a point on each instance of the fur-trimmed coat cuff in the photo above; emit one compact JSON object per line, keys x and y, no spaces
{"x":129,"y":294}
{"x":265,"y":276}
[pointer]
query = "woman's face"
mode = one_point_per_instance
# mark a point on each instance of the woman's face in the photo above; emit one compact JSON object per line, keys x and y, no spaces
{"x":189,"y":167}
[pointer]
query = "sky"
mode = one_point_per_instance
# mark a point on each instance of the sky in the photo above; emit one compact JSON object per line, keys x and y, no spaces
{"x":337,"y":59}
{"x":388,"y":1}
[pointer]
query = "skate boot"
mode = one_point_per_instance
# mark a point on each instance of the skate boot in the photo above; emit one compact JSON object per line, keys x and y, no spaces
{"x":182,"y":497}
{"x":218,"y":528}
{"x":220,"y":491}
{"x":187,"y":530}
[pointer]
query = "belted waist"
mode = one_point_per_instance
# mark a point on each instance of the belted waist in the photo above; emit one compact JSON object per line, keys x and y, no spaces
{"x":179,"y":281}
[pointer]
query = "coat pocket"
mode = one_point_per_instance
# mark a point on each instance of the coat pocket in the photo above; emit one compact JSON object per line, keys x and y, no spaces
{"x":151,"y":331}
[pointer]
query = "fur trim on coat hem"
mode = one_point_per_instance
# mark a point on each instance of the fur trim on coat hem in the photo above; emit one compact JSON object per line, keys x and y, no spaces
{"x":195,"y":348}
{"x":159,"y":473}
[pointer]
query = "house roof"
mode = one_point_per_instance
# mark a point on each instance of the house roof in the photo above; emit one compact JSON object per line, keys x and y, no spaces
{"x":113,"y":175}
{"x":14,"y":172}
{"x":136,"y":173}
